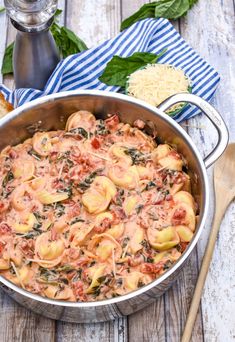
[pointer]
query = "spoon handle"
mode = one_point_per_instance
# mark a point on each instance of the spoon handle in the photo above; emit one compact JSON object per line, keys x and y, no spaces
{"x":202,"y":275}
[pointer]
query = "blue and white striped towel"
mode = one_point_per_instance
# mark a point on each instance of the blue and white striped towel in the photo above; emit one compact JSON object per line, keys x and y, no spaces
{"x":81,"y":71}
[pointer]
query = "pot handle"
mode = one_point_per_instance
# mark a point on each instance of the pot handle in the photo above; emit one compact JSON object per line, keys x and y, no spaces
{"x":213,"y":116}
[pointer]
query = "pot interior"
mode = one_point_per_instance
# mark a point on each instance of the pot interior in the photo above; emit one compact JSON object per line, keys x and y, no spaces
{"x":51,"y":113}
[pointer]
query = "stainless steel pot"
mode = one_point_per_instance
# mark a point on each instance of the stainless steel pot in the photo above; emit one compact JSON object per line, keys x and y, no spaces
{"x":50,"y":113}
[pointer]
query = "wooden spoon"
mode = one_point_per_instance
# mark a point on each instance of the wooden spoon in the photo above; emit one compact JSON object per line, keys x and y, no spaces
{"x":224,"y":184}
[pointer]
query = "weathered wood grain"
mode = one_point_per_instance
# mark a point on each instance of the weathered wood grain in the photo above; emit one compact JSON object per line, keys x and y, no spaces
{"x":177,"y":301}
{"x":107,"y":331}
{"x":18,"y":324}
{"x":93,"y":21}
{"x":130,"y":7}
{"x":3,"y":24}
{"x":148,"y":325}
{"x":214,"y":39}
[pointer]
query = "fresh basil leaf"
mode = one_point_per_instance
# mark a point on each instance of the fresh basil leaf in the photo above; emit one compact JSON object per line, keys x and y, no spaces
{"x":118,"y":69}
{"x":67,"y":41}
{"x":170,"y":9}
{"x":146,"y":11}
{"x":7,"y":66}
{"x":2,"y":9}
{"x":192,"y":2}
{"x":58,"y":12}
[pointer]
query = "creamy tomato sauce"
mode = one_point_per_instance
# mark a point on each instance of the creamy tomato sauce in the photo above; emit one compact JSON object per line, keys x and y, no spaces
{"x":92,"y":212}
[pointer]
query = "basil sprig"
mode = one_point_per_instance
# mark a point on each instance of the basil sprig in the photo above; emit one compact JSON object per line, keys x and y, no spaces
{"x":170,"y":9}
{"x":119,"y":68}
{"x":7,"y":66}
{"x":66,"y":40}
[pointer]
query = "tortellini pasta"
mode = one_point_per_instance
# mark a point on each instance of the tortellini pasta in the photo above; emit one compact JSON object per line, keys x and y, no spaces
{"x":79,"y":233}
{"x":184,"y":197}
{"x":49,"y":250}
{"x":163,"y":239}
{"x":46,"y":197}
{"x":26,"y":225}
{"x":20,"y":197}
{"x":95,"y":273}
{"x":131,"y":281}
{"x":116,"y":231}
{"x":127,"y":178}
{"x":183,"y":214}
{"x":97,"y":198}
{"x":165,"y":156}
{"x":55,"y":292}
{"x":4,"y":264}
{"x":136,"y":236}
{"x":160,"y":152}
{"x":38,"y":183}
{"x":93,"y":211}
{"x":23,"y":276}
{"x":105,"y":245}
{"x":23,"y":169}
{"x":184,"y":233}
{"x":130,"y":204}
{"x":82,"y":118}
{"x":42,"y":144}
{"x":118,"y":152}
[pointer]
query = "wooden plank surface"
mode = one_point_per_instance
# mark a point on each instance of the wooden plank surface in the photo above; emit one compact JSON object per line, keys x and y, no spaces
{"x":210,"y":29}
{"x":214,"y":38}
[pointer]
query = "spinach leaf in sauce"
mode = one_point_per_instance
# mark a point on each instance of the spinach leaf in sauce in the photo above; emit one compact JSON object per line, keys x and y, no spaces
{"x":136,"y":156}
{"x":85,"y":184}
{"x":8,"y":178}
{"x":78,"y":131}
{"x":34,"y":154}
{"x":101,"y":128}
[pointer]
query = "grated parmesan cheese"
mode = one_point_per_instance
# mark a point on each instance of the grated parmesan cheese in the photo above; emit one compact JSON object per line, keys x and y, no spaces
{"x":156,"y":82}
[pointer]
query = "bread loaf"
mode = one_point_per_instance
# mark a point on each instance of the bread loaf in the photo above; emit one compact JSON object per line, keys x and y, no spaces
{"x":5,"y":107}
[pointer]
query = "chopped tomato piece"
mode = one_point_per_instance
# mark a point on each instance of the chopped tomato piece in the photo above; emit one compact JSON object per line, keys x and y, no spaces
{"x":27,"y":247}
{"x":4,"y":228}
{"x":13,"y":154}
{"x":74,"y":253}
{"x":151,"y":268}
{"x":95,"y":143}
{"x":78,"y":290}
{"x":174,"y":154}
{"x":178,"y":216}
{"x":139,"y":124}
{"x":75,"y":210}
{"x":4,"y":206}
{"x":183,"y":246}
{"x":113,"y":121}
{"x":2,"y":246}
{"x":106,"y":223}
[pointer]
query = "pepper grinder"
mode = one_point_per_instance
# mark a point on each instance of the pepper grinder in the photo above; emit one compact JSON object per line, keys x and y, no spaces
{"x":35,"y":54}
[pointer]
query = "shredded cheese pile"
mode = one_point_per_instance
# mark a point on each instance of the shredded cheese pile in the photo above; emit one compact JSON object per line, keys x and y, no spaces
{"x":156,"y":83}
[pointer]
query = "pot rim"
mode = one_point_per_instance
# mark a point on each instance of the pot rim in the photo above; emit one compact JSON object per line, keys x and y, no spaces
{"x":50,"y":98}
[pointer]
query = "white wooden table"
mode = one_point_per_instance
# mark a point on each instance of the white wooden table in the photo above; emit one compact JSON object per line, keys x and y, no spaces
{"x":210,"y":29}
